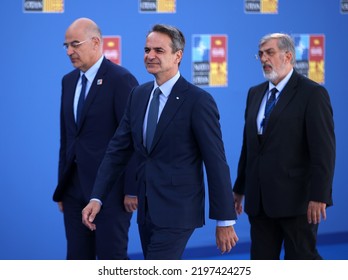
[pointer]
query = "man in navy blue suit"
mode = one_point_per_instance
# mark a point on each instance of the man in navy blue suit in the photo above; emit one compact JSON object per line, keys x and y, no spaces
{"x":85,"y":131}
{"x":170,"y":170}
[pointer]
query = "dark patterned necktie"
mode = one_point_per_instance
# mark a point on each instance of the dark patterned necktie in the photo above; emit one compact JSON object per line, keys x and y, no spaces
{"x":81,"y":98}
{"x":152,"y":118}
{"x":269,"y":107}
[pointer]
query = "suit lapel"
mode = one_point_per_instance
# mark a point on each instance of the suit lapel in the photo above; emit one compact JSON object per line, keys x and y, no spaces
{"x":255,"y":105}
{"x":94,"y":89}
{"x":175,"y":100}
{"x":139,"y":106}
{"x":71,"y":95}
{"x":285,"y":97}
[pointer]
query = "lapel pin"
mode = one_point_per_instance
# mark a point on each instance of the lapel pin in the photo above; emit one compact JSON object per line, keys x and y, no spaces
{"x":177,"y":97}
{"x":100,"y":82}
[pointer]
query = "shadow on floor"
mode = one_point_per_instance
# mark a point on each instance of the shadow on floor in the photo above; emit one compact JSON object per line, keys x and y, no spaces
{"x":333,"y":246}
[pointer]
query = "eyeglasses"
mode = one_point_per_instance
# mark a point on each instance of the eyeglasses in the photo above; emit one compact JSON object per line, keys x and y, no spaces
{"x":268,"y":53}
{"x":73,"y":44}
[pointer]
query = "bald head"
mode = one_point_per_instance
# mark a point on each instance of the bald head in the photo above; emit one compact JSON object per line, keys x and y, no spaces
{"x":86,"y":26}
{"x":84,"y":43}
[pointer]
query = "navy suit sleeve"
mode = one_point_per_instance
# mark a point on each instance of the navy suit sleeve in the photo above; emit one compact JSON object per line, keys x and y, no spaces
{"x":206,"y":125}
{"x":116,"y":158}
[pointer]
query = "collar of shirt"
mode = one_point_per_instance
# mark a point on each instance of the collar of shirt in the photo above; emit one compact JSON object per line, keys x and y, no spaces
{"x":281,"y":84}
{"x":92,"y":72}
{"x":166,"y":88}
{"x":279,"y":87}
{"x":90,"y":75}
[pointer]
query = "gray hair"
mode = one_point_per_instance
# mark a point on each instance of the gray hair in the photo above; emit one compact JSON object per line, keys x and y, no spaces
{"x":285,"y":43}
{"x":176,"y":36}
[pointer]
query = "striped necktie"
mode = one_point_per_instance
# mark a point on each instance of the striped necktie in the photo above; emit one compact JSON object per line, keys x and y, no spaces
{"x":269,"y":107}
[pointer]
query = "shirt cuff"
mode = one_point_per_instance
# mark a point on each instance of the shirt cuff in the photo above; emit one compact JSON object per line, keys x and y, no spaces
{"x":225,"y":223}
{"x":98,"y":200}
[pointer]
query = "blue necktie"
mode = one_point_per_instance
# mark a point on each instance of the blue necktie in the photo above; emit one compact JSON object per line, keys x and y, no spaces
{"x":269,"y":107}
{"x":81,"y":98}
{"x":152,"y":118}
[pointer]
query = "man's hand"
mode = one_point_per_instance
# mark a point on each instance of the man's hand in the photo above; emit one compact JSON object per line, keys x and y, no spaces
{"x":60,"y":206}
{"x":130,"y":203}
{"x":316,"y":211}
{"x":89,"y":213}
{"x":238,"y":199}
{"x":226,"y":238}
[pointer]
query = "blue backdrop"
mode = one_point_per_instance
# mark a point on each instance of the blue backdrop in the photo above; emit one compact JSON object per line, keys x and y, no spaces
{"x":33,"y":63}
